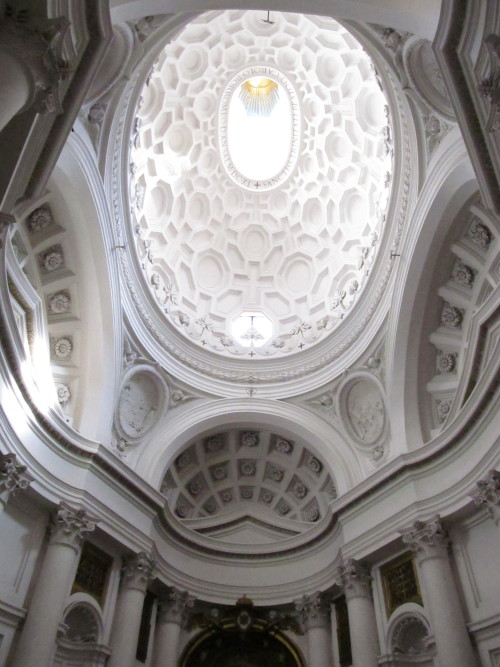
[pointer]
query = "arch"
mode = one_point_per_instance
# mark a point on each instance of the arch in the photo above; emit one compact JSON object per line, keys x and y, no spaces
{"x":450,"y":183}
{"x":80,"y":205}
{"x":289,"y":420}
{"x":229,"y":647}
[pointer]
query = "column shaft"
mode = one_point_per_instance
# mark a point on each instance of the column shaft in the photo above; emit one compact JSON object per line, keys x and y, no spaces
{"x":171,"y":615}
{"x":316,"y":618}
{"x":429,"y":542}
{"x":319,"y":647}
{"x":166,"y":644}
{"x":51,"y":590}
{"x":363,"y":632}
{"x":353,"y":577}
{"x":137,"y":572}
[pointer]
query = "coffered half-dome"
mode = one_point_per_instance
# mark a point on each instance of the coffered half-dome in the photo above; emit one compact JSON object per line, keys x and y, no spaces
{"x":249,"y":486}
{"x":244,"y":266}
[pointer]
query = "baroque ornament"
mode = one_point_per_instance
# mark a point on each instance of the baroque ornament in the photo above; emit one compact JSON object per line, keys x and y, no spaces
{"x":59,"y":303}
{"x":446,"y":362}
{"x":52,"y":259}
{"x":364,"y":410}
{"x":63,"y":347}
{"x":249,"y":439}
{"x":40,"y":219}
{"x":63,"y":393}
{"x":479,"y":234}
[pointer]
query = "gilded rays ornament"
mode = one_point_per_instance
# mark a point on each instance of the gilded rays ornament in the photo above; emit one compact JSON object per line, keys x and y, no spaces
{"x":259,"y":96}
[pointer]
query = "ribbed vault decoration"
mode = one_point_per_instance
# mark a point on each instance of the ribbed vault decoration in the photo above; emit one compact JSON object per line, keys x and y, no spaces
{"x":231,"y":484}
{"x":299,"y":253}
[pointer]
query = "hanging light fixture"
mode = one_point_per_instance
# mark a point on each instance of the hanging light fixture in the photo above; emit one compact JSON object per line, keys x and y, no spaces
{"x":259,"y":96}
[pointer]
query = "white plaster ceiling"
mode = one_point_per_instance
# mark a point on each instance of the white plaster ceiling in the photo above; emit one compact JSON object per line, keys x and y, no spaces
{"x":249,"y":484}
{"x":301,"y":252}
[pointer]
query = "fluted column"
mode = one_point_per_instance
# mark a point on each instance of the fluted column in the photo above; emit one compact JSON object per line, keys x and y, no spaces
{"x":487,"y":494}
{"x":315,"y":612}
{"x":171,"y":615}
{"x":429,"y":541}
{"x":354,"y":579}
{"x":136,"y":575}
{"x":52,"y":587}
{"x":13,"y":478}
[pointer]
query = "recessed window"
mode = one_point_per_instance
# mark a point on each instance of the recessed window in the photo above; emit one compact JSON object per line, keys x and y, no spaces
{"x":252,"y":328}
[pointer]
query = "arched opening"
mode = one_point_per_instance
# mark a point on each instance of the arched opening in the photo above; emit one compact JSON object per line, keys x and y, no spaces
{"x":230,"y":646}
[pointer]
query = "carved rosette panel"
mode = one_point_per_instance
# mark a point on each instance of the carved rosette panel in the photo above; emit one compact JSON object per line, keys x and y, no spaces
{"x":363,"y":410}
{"x":473,"y":260}
{"x":143,"y":397}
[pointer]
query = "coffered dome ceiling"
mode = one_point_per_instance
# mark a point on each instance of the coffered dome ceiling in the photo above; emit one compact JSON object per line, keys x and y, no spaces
{"x":253,"y":267}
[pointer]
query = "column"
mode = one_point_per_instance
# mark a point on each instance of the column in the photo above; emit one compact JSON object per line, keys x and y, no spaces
{"x":52,"y":587}
{"x":136,"y":575}
{"x":429,"y":541}
{"x":171,"y":615}
{"x":354,"y":579}
{"x":315,"y":612}
{"x":487,"y":493}
{"x":13,"y":478}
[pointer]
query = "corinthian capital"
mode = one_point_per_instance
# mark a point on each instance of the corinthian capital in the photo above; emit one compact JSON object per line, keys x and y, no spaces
{"x":13,"y":477}
{"x":137,"y":571}
{"x":174,"y":605}
{"x":353,"y":577}
{"x":314,"y":609}
{"x":487,"y":492}
{"x":69,"y":526}
{"x":427,"y":539}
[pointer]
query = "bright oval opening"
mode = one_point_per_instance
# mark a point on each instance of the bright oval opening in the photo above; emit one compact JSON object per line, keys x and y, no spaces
{"x":259,"y":128}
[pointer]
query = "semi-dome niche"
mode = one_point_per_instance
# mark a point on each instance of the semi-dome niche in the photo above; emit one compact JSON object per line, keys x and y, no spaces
{"x":247,"y":486}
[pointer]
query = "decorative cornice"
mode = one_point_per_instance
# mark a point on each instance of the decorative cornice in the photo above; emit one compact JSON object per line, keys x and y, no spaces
{"x":427,"y":539}
{"x":69,"y":526}
{"x":13,"y":477}
{"x":354,"y":578}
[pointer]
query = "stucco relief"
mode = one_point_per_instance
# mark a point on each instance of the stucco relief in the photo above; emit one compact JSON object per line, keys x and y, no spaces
{"x":142,"y":399}
{"x":363,"y":410}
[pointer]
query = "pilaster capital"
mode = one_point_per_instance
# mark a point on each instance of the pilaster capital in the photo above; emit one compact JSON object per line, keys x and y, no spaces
{"x":69,"y":526}
{"x":314,"y":609}
{"x":354,"y":578}
{"x":37,"y":45}
{"x":427,"y":539}
{"x":13,"y":477}
{"x":137,"y":571}
{"x":487,"y":492}
{"x":174,"y":606}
